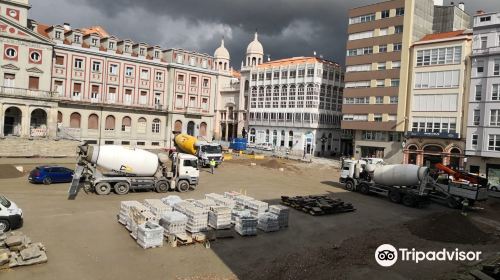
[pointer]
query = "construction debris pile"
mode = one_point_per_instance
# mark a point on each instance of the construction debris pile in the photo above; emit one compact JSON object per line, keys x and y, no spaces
{"x":317,"y":205}
{"x":16,"y":249}
{"x":186,"y":221}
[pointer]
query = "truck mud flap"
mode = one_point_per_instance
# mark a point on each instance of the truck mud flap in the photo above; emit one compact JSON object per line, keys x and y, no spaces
{"x":75,"y":183}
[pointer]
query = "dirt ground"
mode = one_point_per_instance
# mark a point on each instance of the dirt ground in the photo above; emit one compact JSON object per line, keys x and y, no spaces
{"x":84,"y":240}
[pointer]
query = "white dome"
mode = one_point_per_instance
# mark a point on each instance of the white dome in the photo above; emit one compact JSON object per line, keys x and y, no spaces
{"x":255,"y":47}
{"x":222,"y":52}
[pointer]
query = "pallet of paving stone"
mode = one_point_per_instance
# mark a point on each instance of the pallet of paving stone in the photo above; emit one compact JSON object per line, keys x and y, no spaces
{"x":318,"y":205}
{"x":150,"y":235}
{"x":283,"y":213}
{"x":157,"y":207}
{"x":268,"y":222}
{"x":221,"y":200}
{"x":123,"y":215}
{"x":174,"y":222}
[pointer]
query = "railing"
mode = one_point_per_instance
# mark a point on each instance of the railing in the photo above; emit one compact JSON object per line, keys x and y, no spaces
{"x":22,"y":92}
{"x":492,"y":50}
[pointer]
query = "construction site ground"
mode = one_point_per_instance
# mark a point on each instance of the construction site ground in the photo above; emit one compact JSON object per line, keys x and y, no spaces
{"x":85,"y":241}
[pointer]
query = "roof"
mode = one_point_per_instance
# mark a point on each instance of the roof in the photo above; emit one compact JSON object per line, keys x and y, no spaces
{"x":99,"y":30}
{"x":295,"y":61}
{"x":42,"y":30}
{"x":441,"y":36}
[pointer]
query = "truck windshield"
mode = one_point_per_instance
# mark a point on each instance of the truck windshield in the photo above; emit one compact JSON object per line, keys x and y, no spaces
{"x":193,"y":162}
{"x":209,"y":149}
{"x":4,"y":201}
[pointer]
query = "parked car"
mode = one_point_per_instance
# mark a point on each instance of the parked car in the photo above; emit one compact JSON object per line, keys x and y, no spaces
{"x":11,"y":216}
{"x":50,"y":174}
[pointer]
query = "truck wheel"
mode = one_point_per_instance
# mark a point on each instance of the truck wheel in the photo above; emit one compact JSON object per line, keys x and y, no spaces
{"x":103,"y":188}
{"x":162,"y":186}
{"x":47,"y":181}
{"x":183,"y":186}
{"x":452,"y":202}
{"x":122,"y":188}
{"x":86,"y":186}
{"x":4,"y":226}
{"x":363,"y":188}
{"x":349,"y":185}
{"x":409,"y":200}
{"x":395,"y":196}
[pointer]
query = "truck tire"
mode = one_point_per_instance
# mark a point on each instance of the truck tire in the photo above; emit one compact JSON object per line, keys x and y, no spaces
{"x":47,"y":181}
{"x":349,"y":185}
{"x":408,"y":200}
{"x":162,"y":186}
{"x":363,"y":188}
{"x":122,"y":188}
{"x":4,"y":226}
{"x":102,"y":188}
{"x":395,"y":196}
{"x":183,"y":186}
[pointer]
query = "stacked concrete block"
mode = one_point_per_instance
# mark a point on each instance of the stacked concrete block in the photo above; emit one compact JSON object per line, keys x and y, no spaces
{"x":174,"y":223}
{"x":243,"y":200}
{"x":123,"y":215}
{"x":282,"y":212}
{"x":16,"y":249}
{"x":232,"y":194}
{"x":238,"y":211}
{"x":256,"y":207}
{"x":204,"y":203}
{"x":171,"y":200}
{"x":139,"y":215}
{"x":268,"y":222}
{"x":181,"y":206}
{"x":150,"y":235}
{"x":197,"y":218}
{"x":246,"y":224}
{"x":157,"y":207}
{"x":221,"y":200}
{"x":219,"y":217}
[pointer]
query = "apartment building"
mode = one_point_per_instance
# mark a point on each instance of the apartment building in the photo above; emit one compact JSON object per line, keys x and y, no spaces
{"x":438,"y":94}
{"x":85,"y":84}
{"x":483,"y":127}
{"x":450,"y":17}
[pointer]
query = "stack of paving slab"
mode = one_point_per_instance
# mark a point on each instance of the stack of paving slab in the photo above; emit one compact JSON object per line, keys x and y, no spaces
{"x":204,"y":203}
{"x":243,"y":200}
{"x":219,"y":217}
{"x":124,"y":214}
{"x":181,"y":206}
{"x":238,"y":211}
{"x":221,"y":200}
{"x":171,"y":200}
{"x":16,"y":249}
{"x":231,"y":195}
{"x":150,"y":235}
{"x":282,"y":212}
{"x":197,"y":218}
{"x":257,"y":207}
{"x":268,"y":222}
{"x":246,"y":224}
{"x":157,"y":207}
{"x":174,"y":223}
{"x":138,"y":216}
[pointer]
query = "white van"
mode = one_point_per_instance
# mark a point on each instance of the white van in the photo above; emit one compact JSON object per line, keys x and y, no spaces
{"x":11,"y":216}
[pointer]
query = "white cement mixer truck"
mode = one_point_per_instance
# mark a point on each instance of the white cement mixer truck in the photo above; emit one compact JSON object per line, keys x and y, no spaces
{"x":103,"y":169}
{"x":408,"y":184}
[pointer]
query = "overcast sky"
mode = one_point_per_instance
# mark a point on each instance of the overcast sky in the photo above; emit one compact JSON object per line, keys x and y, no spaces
{"x":286,"y":27}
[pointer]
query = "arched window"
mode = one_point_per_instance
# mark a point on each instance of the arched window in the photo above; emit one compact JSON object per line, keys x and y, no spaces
{"x":126,"y":124}
{"x":141,"y":125}
{"x":75,"y":120}
{"x":282,"y":140}
{"x":59,"y":117}
{"x":93,"y":122}
{"x":203,"y":129}
{"x":110,"y":123}
{"x":290,"y":139}
{"x":267,"y":135}
{"x":275,"y":137}
{"x":178,"y":127}
{"x":190,"y":128}
{"x":155,"y":127}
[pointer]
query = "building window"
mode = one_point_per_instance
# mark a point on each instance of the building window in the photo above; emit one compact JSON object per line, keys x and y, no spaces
{"x":495,"y":92}
{"x":496,"y":68}
{"x":494,"y":142}
{"x":383,"y":31}
{"x":477,"y":96}
{"x":129,"y":71}
{"x":360,"y":35}
{"x":377,"y":117}
{"x":155,"y":128}
{"x":78,"y":63}
{"x":437,"y":79}
{"x":111,"y":45}
{"x":393,"y":100}
{"x":159,"y":76}
{"x":476,"y":117}
{"x":128,"y":96}
{"x":396,"y":64}
{"x":96,"y":66}
{"x":439,"y":56}
{"x":310,"y":72}
{"x":77,"y":39}
{"x":77,"y":88}
{"x":400,"y":11}
{"x":141,"y":51}
{"x":34,"y":83}
{"x":495,"y":117}
{"x":483,"y":19}
{"x":379,"y":99}
{"x":113,"y":69}
{"x":58,"y":34}
{"x":380,"y":83}
{"x":35,"y":56}
{"x":112,"y":94}
{"x":204,"y":63}
{"x":363,"y":18}
{"x":398,"y":29}
{"x":360,"y":51}
{"x":194,"y":81}
{"x":475,"y":138}
{"x":381,"y":66}
{"x":480,"y":67}
{"x":354,"y":68}
{"x":394,"y":82}
{"x":484,"y":42}
{"x":59,"y":60}
{"x":192,"y":61}
{"x":397,"y":47}
{"x":205,"y":83}
{"x":157,"y":54}
{"x":382,"y":48}
{"x":143,"y":98}
{"x":94,"y":42}
{"x":385,"y":14}
{"x":127,"y":48}
{"x":11,"y":52}
{"x":144,"y":74}
{"x":430,"y":124}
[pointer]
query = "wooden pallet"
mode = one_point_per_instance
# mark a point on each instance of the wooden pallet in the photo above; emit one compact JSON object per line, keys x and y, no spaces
{"x":317,"y":205}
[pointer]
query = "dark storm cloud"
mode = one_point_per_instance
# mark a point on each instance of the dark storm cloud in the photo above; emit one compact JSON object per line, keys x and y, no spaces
{"x":286,"y":27}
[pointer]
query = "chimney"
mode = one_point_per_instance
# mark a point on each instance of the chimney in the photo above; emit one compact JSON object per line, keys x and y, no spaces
{"x":461,"y":6}
{"x":67,"y":26}
{"x":438,"y":2}
{"x":33,"y":25}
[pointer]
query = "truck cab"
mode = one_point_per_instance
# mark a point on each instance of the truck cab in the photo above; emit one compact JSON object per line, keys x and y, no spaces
{"x":187,"y":169}
{"x":207,"y":151}
{"x":11,"y":216}
{"x":348,"y":169}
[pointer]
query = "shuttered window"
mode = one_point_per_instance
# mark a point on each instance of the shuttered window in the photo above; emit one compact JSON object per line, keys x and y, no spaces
{"x":60,"y":60}
{"x":110,"y":123}
{"x":93,"y":122}
{"x":34,"y":82}
{"x":126,"y":124}
{"x":74,"y":120}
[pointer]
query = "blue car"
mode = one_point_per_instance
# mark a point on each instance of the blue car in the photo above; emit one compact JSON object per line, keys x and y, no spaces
{"x":50,"y":174}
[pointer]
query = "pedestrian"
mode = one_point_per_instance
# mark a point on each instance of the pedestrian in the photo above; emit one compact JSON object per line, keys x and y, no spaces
{"x":212,"y":165}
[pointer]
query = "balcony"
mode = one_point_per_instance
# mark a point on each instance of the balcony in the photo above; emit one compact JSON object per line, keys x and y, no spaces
{"x":193,"y":111}
{"x":28,"y":93}
{"x":487,"y":51}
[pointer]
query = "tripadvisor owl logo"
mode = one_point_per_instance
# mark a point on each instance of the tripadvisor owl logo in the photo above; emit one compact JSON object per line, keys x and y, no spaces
{"x":387,"y":255}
